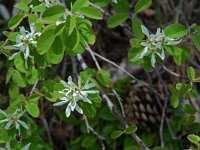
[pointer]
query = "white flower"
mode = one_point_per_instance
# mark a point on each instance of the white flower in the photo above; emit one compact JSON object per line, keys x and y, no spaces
{"x":49,"y":3}
{"x":13,"y":119}
{"x":115,"y":1}
{"x":73,"y":93}
{"x":23,"y":42}
{"x":154,"y":45}
{"x":7,"y":147}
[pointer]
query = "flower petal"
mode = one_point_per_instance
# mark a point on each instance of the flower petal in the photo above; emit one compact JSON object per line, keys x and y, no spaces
{"x":73,"y":105}
{"x":153,"y":60}
{"x":68,"y":111}
{"x":60,"y":103}
{"x":92,"y":92}
{"x":13,"y":56}
{"x":3,"y":112}
{"x":3,"y":121}
{"x":144,"y":30}
{"x":79,"y":109}
{"x":22,"y":123}
{"x":88,"y":86}
{"x":8,"y":124}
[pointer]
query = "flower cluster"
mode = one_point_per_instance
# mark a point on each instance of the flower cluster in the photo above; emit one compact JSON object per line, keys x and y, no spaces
{"x":73,"y":93}
{"x":13,"y":119}
{"x":154,"y":44}
{"x":49,"y":3}
{"x":23,"y":42}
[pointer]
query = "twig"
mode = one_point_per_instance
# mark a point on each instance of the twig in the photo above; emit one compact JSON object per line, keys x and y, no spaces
{"x":45,"y":124}
{"x":93,"y":56}
{"x":34,"y":86}
{"x":127,"y":73}
{"x":163,"y":109}
{"x":120,"y":118}
{"x":120,"y":103}
{"x":89,"y":128}
{"x":82,"y":62}
{"x":171,"y":72}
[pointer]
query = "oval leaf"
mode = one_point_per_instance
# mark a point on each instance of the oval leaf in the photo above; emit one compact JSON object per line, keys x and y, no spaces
{"x":16,"y":20}
{"x":46,"y":39}
{"x":91,"y":12}
{"x":32,"y":109}
{"x":117,"y":19}
{"x":176,"y":30}
{"x":116,"y":134}
{"x":142,"y":5}
{"x":191,"y":73}
{"x":53,"y":12}
{"x":196,"y":41}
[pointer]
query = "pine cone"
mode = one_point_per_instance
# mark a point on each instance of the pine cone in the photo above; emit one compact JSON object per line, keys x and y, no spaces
{"x":142,"y":109}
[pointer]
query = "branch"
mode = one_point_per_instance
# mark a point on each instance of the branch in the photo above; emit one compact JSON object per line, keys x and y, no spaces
{"x":89,"y":128}
{"x":114,"y":111}
{"x":127,"y":73}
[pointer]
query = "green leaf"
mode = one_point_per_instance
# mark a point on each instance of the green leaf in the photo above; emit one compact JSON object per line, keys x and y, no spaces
{"x":122,"y":6}
{"x":116,"y":134}
{"x":19,"y":63}
{"x":180,"y":54}
{"x":33,"y":109}
{"x":16,"y":20}
{"x":88,"y":142}
{"x":88,"y":109}
{"x":91,"y":12}
{"x":131,"y":129}
{"x":72,"y":24}
{"x":9,"y":74}
{"x":105,"y":114}
{"x":117,"y":19}
{"x":54,"y":12}
{"x":180,"y":86}
{"x":32,"y":18}
{"x":142,"y":5}
{"x":189,"y":109}
{"x":193,"y":138}
{"x":18,"y":100}
{"x":32,"y":76}
{"x":34,"y":98}
{"x":56,"y":52}
{"x":196,"y":41}
{"x":101,"y":3}
{"x":23,"y":6}
{"x":72,"y":41}
{"x":13,"y":91}
{"x":87,"y":33}
{"x":132,"y":148}
{"x":18,"y":79}
{"x":188,"y":120}
{"x":174,"y":101}
{"x":137,"y":30}
{"x":175,"y":30}
{"x":191,"y":73}
{"x":103,"y":77}
{"x":39,"y":8}
{"x":46,"y":39}
{"x":79,"y":4}
{"x":197,"y":79}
